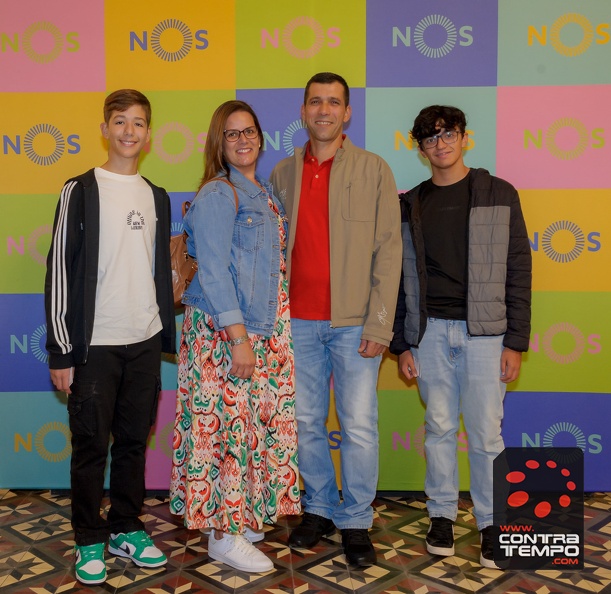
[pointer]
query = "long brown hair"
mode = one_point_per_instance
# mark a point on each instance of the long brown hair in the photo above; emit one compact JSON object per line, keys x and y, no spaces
{"x":214,"y":159}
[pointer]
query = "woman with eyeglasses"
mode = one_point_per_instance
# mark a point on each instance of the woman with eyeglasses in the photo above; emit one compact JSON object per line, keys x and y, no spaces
{"x":235,"y":436}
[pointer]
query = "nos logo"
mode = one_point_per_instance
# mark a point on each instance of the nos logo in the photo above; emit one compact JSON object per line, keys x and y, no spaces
{"x":565,"y":139}
{"x":569,"y":240}
{"x":578,"y":29}
{"x":34,"y":250}
{"x":43,"y":144}
{"x":176,"y":36}
{"x":41,"y":42}
{"x":36,"y":344}
{"x":564,"y":434}
{"x":330,"y":37}
{"x":565,"y":343}
{"x":441,"y":36}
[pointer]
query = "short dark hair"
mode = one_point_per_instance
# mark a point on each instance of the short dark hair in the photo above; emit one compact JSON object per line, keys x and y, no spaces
{"x":434,"y":117}
{"x":328,"y":78}
{"x":123,"y":99}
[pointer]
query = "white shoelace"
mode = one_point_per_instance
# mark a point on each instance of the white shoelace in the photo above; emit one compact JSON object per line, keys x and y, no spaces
{"x":243,"y":545}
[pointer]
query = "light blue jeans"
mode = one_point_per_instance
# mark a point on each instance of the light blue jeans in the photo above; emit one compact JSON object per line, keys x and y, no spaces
{"x":319,"y":351}
{"x":459,"y":373}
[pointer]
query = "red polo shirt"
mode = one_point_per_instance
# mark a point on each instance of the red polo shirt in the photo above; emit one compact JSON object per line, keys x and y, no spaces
{"x":310,"y":289}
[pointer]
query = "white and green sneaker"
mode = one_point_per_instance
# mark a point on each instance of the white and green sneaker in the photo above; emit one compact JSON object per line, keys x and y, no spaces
{"x":90,"y":567}
{"x":138,"y":547}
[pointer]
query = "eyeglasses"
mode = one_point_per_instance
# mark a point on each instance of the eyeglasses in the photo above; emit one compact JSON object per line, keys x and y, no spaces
{"x":448,"y":136}
{"x":234,"y":135}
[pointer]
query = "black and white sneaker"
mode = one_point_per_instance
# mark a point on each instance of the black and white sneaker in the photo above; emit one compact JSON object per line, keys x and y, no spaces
{"x":440,"y":537}
{"x":486,"y":558}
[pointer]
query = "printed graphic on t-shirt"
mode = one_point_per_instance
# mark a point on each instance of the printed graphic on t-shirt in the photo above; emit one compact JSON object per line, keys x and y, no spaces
{"x":135,"y":219}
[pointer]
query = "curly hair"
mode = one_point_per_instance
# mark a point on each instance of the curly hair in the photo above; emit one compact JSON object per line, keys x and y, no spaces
{"x":431,"y":119}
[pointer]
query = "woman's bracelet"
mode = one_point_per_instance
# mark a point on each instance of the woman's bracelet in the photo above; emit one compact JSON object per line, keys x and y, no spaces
{"x":238,"y":340}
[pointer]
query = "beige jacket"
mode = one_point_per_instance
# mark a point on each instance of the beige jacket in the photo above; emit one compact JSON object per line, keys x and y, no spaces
{"x":364,"y":236}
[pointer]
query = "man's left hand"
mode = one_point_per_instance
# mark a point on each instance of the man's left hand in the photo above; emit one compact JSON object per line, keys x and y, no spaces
{"x":370,"y":349}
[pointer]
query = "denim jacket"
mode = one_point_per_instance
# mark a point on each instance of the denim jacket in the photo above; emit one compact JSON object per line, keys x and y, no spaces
{"x":238,"y":254}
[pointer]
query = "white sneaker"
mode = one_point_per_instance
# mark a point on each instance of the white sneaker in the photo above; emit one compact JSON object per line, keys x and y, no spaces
{"x":237,"y":552}
{"x":253,"y":535}
{"x":249,"y":533}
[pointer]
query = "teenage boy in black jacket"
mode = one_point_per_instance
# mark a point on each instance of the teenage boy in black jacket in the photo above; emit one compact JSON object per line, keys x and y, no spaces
{"x":463,"y":316}
{"x":109,"y":307}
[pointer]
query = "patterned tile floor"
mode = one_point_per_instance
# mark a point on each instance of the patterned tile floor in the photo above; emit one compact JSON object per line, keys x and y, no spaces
{"x":36,"y":555}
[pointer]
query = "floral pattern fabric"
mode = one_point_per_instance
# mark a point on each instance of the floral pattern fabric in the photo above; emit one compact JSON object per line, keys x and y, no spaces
{"x":235,"y":440}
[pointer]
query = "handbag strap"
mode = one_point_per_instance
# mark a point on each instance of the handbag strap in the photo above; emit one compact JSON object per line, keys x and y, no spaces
{"x":185,"y":207}
{"x":187,"y":203}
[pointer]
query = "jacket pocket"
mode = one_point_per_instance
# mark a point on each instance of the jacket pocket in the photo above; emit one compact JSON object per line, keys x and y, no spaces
{"x":248,"y":231}
{"x":359,"y":201}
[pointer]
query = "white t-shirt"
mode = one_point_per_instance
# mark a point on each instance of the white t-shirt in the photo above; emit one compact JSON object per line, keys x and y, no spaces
{"x":126,"y":310}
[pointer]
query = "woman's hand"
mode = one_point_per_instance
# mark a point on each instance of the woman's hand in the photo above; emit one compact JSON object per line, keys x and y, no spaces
{"x":243,"y":360}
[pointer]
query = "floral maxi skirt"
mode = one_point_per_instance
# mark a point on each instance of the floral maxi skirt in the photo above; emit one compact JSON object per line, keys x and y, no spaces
{"x":235,"y":441}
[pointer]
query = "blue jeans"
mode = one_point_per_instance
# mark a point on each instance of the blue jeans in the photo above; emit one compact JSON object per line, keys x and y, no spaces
{"x":459,"y":373}
{"x":319,"y":351}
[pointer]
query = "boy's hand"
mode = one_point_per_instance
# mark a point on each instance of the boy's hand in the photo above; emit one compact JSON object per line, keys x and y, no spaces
{"x":510,"y":365}
{"x":62,"y":379}
{"x":407,"y":365}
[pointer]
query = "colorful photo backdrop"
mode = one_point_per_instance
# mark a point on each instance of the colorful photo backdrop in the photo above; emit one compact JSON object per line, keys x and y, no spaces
{"x":533,"y":79}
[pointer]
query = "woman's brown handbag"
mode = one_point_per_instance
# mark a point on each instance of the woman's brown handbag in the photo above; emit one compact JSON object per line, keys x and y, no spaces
{"x":184,"y":266}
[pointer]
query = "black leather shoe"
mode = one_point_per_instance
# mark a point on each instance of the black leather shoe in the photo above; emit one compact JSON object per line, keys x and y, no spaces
{"x":310,"y":531}
{"x":358,"y":548}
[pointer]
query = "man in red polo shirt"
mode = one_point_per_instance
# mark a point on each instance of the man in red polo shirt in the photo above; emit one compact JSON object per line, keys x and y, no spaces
{"x":344,"y":265}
